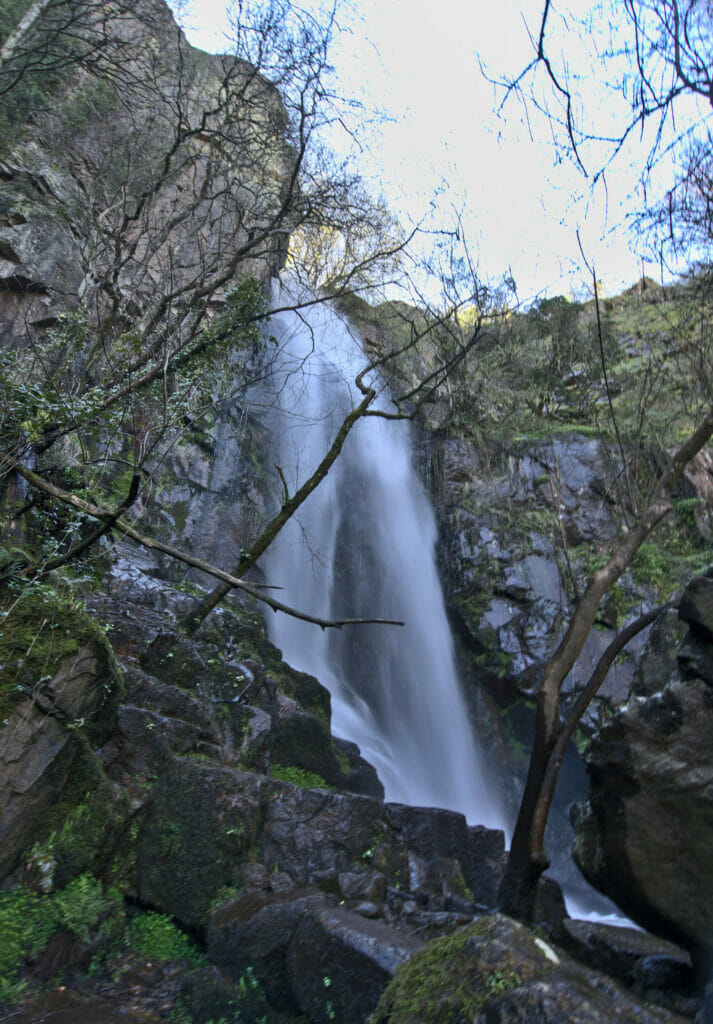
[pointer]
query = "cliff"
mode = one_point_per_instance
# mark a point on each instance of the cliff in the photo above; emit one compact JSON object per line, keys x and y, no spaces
{"x":181,"y":835}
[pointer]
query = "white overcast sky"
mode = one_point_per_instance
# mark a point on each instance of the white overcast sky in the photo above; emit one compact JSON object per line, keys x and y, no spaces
{"x":417,"y":60}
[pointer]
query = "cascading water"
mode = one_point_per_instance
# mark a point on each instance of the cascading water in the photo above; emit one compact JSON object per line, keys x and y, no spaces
{"x":362,"y":545}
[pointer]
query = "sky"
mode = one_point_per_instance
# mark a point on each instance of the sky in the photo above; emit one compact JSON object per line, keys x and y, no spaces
{"x":417,"y":60}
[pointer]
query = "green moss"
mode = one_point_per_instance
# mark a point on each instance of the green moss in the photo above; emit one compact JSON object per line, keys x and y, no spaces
{"x":39,"y":628}
{"x":442,"y":983}
{"x":84,"y":826}
{"x":299,"y":777}
{"x":343,"y":763}
{"x":157,"y":937}
{"x":458,"y":885}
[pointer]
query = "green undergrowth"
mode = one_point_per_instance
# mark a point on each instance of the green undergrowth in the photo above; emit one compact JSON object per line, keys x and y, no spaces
{"x":299,"y":777}
{"x":89,"y":819}
{"x":96,"y":916}
{"x":29,"y":920}
{"x":157,"y":937}
{"x":539,"y":372}
{"x":664,"y":563}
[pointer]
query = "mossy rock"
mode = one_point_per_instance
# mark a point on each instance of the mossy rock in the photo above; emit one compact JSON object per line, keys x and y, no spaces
{"x":41,"y":628}
{"x":451,"y":980}
{"x":61,"y":691}
{"x":202,"y":824}
{"x":497,"y":970}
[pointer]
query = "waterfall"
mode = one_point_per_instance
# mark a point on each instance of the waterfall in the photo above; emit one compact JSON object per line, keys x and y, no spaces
{"x":363,"y":545}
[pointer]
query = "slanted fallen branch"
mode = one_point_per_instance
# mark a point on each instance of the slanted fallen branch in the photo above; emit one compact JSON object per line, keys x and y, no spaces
{"x":129,"y":530}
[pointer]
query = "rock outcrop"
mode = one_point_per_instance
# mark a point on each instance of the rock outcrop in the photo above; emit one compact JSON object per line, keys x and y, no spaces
{"x":497,"y":972}
{"x":509,"y":586}
{"x":59,"y":706}
{"x":645,"y":835}
{"x":188,"y":808}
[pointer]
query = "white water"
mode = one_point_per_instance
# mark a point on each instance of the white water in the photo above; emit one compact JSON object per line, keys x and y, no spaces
{"x":363,"y":546}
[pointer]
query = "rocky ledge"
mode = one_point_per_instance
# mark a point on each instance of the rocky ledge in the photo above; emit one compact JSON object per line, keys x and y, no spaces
{"x":194,"y":785}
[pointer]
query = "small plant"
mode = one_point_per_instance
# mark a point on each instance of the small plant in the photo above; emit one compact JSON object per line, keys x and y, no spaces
{"x":81,"y":905}
{"x":329,"y":1008}
{"x":156,"y":937}
{"x":299,"y":777}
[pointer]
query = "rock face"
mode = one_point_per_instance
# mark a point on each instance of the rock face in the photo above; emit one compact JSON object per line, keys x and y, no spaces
{"x":368,"y":953}
{"x":496,"y":971}
{"x":508,"y":583}
{"x":295,"y":882}
{"x":45,"y":765}
{"x":646,"y":832}
{"x":136,"y":190}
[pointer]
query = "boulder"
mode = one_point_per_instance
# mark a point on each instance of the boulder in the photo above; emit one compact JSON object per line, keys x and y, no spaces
{"x":696,"y":607}
{"x":339,"y":964}
{"x":495,"y":970}
{"x":658,"y":659}
{"x":433,"y":834}
{"x":645,"y":835}
{"x":255,"y":931}
{"x":45,"y":764}
{"x":636,"y":958}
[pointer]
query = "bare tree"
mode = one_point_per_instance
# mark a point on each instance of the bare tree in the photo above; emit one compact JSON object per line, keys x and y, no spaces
{"x":204,"y":169}
{"x":655,"y":58}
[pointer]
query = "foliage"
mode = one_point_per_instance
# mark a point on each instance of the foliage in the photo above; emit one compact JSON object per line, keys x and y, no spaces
{"x":299,"y":777}
{"x":80,"y":906}
{"x":157,"y":937}
{"x":25,"y":932}
{"x":28,"y":921}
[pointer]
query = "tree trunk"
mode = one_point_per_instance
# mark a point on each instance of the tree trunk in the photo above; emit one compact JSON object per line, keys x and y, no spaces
{"x":527,"y":859}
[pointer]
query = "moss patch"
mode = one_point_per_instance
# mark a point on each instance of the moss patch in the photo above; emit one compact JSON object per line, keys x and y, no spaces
{"x":299,"y":777}
{"x":39,"y":628}
{"x":81,"y":831}
{"x":444,"y":982}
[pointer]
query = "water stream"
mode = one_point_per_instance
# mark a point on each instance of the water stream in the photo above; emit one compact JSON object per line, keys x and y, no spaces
{"x":363,"y":545}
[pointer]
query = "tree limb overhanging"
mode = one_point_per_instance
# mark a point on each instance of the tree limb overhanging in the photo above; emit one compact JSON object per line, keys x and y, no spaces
{"x":113,"y":520}
{"x":527,"y":858}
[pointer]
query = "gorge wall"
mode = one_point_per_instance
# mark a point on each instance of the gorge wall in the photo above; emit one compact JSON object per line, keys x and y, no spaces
{"x":196,"y":778}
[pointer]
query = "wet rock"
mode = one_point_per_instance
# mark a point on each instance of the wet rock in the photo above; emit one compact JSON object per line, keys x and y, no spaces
{"x":302,"y":739}
{"x":502,"y":528}
{"x":363,"y":885}
{"x":432,"y":834}
{"x":42,"y":754}
{"x":638,"y":959}
{"x":309,"y":832}
{"x":658,"y":659}
{"x":644,"y":836}
{"x":339,"y":963}
{"x":497,"y":971}
{"x":255,"y":931}
{"x":696,"y":607}
{"x":694,"y":659}
{"x":202,"y":821}
{"x":361,"y":777}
